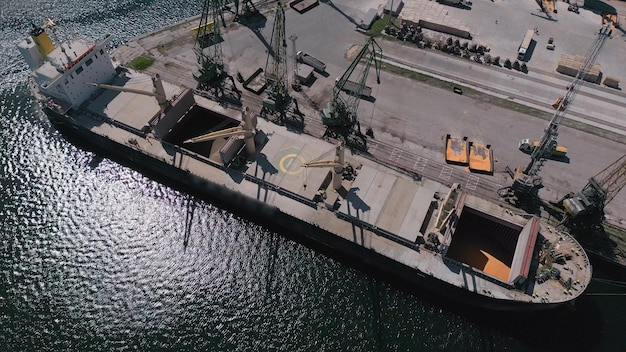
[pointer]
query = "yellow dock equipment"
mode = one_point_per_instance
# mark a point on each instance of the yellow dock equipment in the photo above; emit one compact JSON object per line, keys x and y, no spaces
{"x":558,"y":151}
{"x":557,"y":102}
{"x":481,"y":158}
{"x":610,"y":19}
{"x":209,"y":26}
{"x":457,"y":150}
{"x":548,"y":6}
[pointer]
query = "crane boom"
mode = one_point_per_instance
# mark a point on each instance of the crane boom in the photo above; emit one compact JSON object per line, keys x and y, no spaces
{"x":342,"y":108}
{"x":247,"y":130}
{"x":229,"y":132}
{"x":158,"y":91}
{"x":276,"y":64}
{"x":337,"y":164}
{"x":528,"y":181}
{"x":323,"y":163}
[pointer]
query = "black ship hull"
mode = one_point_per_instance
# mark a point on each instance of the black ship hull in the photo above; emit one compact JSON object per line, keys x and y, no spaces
{"x":294,"y":228}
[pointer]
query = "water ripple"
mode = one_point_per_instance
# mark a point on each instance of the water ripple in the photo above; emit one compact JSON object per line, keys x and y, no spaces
{"x":96,"y":256}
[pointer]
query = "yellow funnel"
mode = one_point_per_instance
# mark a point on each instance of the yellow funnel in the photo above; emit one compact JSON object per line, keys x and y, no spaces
{"x":43,"y":42}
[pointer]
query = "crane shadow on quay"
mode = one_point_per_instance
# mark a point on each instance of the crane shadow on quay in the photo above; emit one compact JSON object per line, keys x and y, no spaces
{"x":256,"y":24}
{"x":331,"y":4}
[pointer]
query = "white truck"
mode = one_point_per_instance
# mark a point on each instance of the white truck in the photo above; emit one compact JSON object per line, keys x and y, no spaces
{"x":523,"y":48}
{"x":318,"y":65}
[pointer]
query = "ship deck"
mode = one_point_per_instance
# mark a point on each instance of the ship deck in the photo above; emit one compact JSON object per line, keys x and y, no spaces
{"x":382,"y":210}
{"x":131,"y":109}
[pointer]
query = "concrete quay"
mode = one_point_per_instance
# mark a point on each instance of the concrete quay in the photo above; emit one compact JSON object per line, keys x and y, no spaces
{"x":426,"y":114}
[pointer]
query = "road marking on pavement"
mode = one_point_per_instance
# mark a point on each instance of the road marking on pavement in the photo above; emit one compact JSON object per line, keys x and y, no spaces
{"x":472,"y":182}
{"x":373,"y":148}
{"x":420,"y":164}
{"x":445,"y":173}
{"x":395,"y":155}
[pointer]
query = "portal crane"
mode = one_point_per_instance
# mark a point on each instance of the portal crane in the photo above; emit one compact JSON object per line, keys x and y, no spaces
{"x":598,"y":193}
{"x":210,"y":71}
{"x":527,"y":182}
{"x":278,"y":99}
{"x":341,"y":111}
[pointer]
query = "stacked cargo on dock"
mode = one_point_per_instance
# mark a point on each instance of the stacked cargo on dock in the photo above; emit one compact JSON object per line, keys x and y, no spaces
{"x":571,"y":64}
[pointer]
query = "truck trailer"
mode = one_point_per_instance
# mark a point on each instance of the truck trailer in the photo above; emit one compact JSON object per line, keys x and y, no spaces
{"x":318,"y":65}
{"x":352,"y":87}
{"x":523,"y":48}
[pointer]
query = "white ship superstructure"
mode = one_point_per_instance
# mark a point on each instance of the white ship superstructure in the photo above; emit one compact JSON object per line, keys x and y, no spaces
{"x":63,"y":71}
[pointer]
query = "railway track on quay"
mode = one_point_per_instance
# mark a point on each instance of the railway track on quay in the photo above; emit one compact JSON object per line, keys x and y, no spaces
{"x":395,"y":156}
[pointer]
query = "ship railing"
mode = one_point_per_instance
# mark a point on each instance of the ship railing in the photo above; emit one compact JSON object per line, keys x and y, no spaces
{"x":378,"y":231}
{"x":280,"y":190}
{"x":579,"y":247}
{"x":58,"y":105}
{"x":84,"y":111}
{"x":265,"y":184}
{"x":129,"y":128}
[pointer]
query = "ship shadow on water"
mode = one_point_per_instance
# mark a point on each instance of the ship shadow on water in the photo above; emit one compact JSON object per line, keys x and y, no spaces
{"x":576,"y":327}
{"x":571,"y":327}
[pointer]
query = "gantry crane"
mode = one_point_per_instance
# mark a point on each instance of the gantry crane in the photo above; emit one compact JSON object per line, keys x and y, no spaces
{"x":341,"y":111}
{"x":527,"y":182}
{"x":210,"y":73}
{"x":599,"y":191}
{"x":278,"y":100}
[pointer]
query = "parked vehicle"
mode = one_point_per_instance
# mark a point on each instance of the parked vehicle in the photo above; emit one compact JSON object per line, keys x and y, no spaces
{"x":318,"y":65}
{"x":523,"y":48}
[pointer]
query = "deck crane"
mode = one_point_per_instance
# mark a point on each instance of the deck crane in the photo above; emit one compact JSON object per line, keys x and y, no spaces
{"x":337,"y":164}
{"x":341,"y":112}
{"x":599,"y":191}
{"x":278,"y":100}
{"x":527,"y":182}
{"x":157,"y":91}
{"x":245,"y":131}
{"x":210,"y":72}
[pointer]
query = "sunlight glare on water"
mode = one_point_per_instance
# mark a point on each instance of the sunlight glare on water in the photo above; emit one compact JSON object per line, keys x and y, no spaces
{"x":96,"y":256}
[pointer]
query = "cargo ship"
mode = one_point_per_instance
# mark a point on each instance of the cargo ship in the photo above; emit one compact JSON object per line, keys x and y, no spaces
{"x":430,"y":235}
